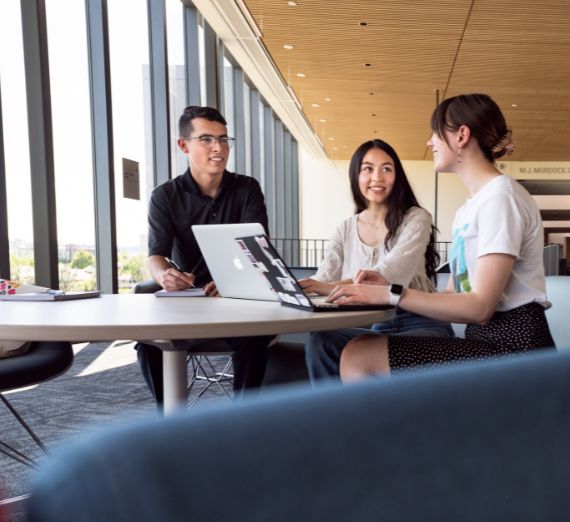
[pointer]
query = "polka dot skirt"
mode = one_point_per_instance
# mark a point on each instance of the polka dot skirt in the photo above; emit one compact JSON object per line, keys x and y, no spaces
{"x":519,"y":330}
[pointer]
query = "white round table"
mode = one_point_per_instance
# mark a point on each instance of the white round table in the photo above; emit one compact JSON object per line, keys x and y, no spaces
{"x":144,"y":317}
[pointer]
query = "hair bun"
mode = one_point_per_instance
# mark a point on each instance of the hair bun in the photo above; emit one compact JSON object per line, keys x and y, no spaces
{"x":505,"y":146}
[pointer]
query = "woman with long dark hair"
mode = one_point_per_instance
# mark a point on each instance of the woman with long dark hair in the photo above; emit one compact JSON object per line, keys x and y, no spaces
{"x":389,"y":234}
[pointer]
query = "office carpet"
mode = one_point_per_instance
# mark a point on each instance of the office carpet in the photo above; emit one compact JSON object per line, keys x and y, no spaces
{"x":103,"y":385}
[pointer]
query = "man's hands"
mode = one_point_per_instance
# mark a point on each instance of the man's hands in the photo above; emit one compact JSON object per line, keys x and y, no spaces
{"x":211,"y":290}
{"x":172,"y":279}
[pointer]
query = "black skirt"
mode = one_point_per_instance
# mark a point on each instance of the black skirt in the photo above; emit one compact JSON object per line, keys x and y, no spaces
{"x":519,"y":330}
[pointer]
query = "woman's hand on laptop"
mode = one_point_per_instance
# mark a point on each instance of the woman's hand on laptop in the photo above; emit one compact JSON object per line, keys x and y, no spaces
{"x":359,"y":294}
{"x":310,"y":285}
{"x":370,"y":277}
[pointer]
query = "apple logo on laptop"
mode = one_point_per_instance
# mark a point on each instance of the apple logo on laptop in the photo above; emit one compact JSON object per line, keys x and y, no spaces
{"x":237,"y":263}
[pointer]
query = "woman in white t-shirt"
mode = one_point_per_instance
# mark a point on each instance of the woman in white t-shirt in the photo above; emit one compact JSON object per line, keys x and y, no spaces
{"x":497,"y":283}
{"x":390,"y":234}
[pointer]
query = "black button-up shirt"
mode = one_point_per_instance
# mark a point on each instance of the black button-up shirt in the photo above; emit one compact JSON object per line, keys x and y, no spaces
{"x":178,"y":204}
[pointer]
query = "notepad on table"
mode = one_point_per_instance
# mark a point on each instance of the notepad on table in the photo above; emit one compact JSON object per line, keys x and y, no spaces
{"x":51,"y":295}
{"x":189,"y":292}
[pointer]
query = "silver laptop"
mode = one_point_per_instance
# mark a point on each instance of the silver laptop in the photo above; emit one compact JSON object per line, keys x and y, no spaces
{"x":233,"y":274}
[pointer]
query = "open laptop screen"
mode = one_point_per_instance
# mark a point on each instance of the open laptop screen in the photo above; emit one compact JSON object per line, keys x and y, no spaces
{"x":262,"y":254}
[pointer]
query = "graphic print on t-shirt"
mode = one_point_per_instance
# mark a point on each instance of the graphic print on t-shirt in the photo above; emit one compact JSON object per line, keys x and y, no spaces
{"x":458,"y":261}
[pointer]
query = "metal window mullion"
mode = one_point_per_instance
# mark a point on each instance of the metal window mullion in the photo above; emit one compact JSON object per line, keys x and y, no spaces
{"x":279,"y":181}
{"x":211,"y":67}
{"x":288,"y":185}
{"x":192,"y":55}
{"x":295,"y":198}
{"x":239,"y":120}
{"x":36,"y":64}
{"x":159,"y":98}
{"x":255,"y":131}
{"x":102,"y":138}
{"x":4,"y":241}
{"x":269,"y":178}
{"x":295,"y":187}
{"x":219,"y":68}
{"x":287,"y":196}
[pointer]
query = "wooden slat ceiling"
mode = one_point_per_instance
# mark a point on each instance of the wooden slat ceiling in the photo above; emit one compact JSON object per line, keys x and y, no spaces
{"x":516,"y":51}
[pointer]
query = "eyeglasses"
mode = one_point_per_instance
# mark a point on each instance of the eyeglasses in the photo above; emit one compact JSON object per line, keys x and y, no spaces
{"x":208,"y":141}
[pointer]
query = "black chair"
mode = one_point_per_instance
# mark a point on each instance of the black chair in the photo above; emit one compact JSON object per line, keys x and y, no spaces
{"x":43,"y":361}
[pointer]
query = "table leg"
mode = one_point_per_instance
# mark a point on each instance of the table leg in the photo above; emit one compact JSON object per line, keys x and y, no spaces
{"x":175,"y":380}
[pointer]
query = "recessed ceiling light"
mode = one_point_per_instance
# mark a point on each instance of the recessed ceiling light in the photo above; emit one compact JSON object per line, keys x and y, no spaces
{"x":288,"y":47}
{"x":301,"y":75}
{"x":323,"y":121}
{"x":291,"y":3}
{"x":327,"y":99}
{"x":315,"y":105}
{"x":515,"y":105}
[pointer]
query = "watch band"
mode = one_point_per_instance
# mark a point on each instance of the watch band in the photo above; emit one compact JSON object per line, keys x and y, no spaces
{"x":395,"y":294}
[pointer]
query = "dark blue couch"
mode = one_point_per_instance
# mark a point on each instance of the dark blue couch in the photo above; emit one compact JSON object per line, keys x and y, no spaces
{"x":479,"y":443}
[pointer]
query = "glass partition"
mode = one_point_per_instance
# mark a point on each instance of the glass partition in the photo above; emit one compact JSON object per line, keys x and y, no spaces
{"x":16,"y":148}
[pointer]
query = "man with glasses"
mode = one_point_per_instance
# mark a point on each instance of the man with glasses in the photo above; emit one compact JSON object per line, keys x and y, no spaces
{"x":205,"y":194}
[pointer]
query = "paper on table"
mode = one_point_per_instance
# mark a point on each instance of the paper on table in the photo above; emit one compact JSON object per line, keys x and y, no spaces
{"x":52,"y":295}
{"x":189,"y":292}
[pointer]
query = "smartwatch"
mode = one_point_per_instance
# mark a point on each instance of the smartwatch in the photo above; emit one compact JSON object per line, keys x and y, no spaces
{"x":395,"y":294}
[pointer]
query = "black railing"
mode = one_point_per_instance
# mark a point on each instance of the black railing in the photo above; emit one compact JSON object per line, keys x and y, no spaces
{"x":310,"y":252}
{"x":442,"y":248}
{"x":301,"y":252}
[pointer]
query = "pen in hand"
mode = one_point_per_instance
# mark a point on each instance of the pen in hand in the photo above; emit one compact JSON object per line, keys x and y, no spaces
{"x":174,"y":265}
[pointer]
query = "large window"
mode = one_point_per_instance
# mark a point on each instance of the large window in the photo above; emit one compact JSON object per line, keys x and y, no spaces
{"x":87,"y":146}
{"x":16,"y":148}
{"x":71,"y":122}
{"x":132,"y":134}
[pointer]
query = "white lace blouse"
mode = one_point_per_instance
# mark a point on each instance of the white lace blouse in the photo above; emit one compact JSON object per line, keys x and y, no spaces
{"x":403,"y":264}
